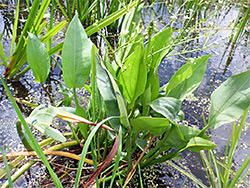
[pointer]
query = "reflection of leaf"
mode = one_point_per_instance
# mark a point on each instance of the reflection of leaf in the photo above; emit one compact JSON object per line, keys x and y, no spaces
{"x":167,"y":106}
{"x":230,"y":100}
{"x":156,"y":126}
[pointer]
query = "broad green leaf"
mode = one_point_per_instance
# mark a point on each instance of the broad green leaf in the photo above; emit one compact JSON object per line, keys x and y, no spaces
{"x":106,"y":89}
{"x":38,"y":58}
{"x":229,"y":101}
{"x":121,"y":104}
{"x":76,"y":55}
{"x":167,"y":106}
{"x":174,"y":137}
{"x":158,"y":47}
{"x":41,"y":118}
{"x":180,"y":116}
{"x":133,"y":76}
{"x":197,"y":144}
{"x":55,"y":134}
{"x":190,"y":132}
{"x":187,"y":78}
{"x":179,"y":135}
{"x":156,"y":126}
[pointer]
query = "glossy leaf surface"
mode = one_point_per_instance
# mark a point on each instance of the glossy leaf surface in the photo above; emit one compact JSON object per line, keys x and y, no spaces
{"x":187,"y":78}
{"x":156,"y":126}
{"x":133,"y":76}
{"x":107,"y":92}
{"x":229,"y":101}
{"x":158,"y":47}
{"x":197,"y":144}
{"x":38,"y":58}
{"x":179,"y":135}
{"x":167,"y":106}
{"x":76,"y":55}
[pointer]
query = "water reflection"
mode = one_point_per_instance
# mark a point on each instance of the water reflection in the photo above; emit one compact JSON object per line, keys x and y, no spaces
{"x":7,"y":15}
{"x":228,"y":58}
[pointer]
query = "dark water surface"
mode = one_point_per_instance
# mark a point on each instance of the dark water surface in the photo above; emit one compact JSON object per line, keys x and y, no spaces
{"x":210,"y":38}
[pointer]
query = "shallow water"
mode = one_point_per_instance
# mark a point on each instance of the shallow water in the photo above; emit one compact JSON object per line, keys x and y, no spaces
{"x":224,"y":62}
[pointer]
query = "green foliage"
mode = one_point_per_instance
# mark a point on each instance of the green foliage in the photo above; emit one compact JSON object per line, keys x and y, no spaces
{"x":230,"y":100}
{"x":223,"y":170}
{"x":124,"y":84}
{"x":187,"y":78}
{"x":133,"y":75}
{"x":108,"y":94}
{"x":38,"y":58}
{"x":7,"y":168}
{"x":32,"y":139}
{"x":76,"y":55}
{"x":154,"y":125}
{"x":35,"y":25}
{"x":167,"y":106}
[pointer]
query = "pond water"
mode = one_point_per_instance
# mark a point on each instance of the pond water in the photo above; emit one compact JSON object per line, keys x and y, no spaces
{"x":209,"y":37}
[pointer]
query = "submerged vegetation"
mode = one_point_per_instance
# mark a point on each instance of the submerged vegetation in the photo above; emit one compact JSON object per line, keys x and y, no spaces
{"x":130,"y":121}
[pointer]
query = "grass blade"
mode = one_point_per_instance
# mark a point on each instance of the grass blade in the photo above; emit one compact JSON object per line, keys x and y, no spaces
{"x":187,"y":174}
{"x":2,"y":55}
{"x":110,"y":19}
{"x":7,"y":168}
{"x":240,"y":171}
{"x":234,"y":145}
{"x":85,"y":149}
{"x":15,"y":28}
{"x":117,"y":160}
{"x":63,"y":12}
{"x":217,"y":170}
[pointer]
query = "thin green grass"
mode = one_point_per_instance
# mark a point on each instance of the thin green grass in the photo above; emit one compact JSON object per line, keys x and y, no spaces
{"x":7,"y":168}
{"x":85,"y":149}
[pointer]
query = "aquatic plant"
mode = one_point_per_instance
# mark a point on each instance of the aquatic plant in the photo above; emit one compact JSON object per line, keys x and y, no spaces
{"x":125,"y":93}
